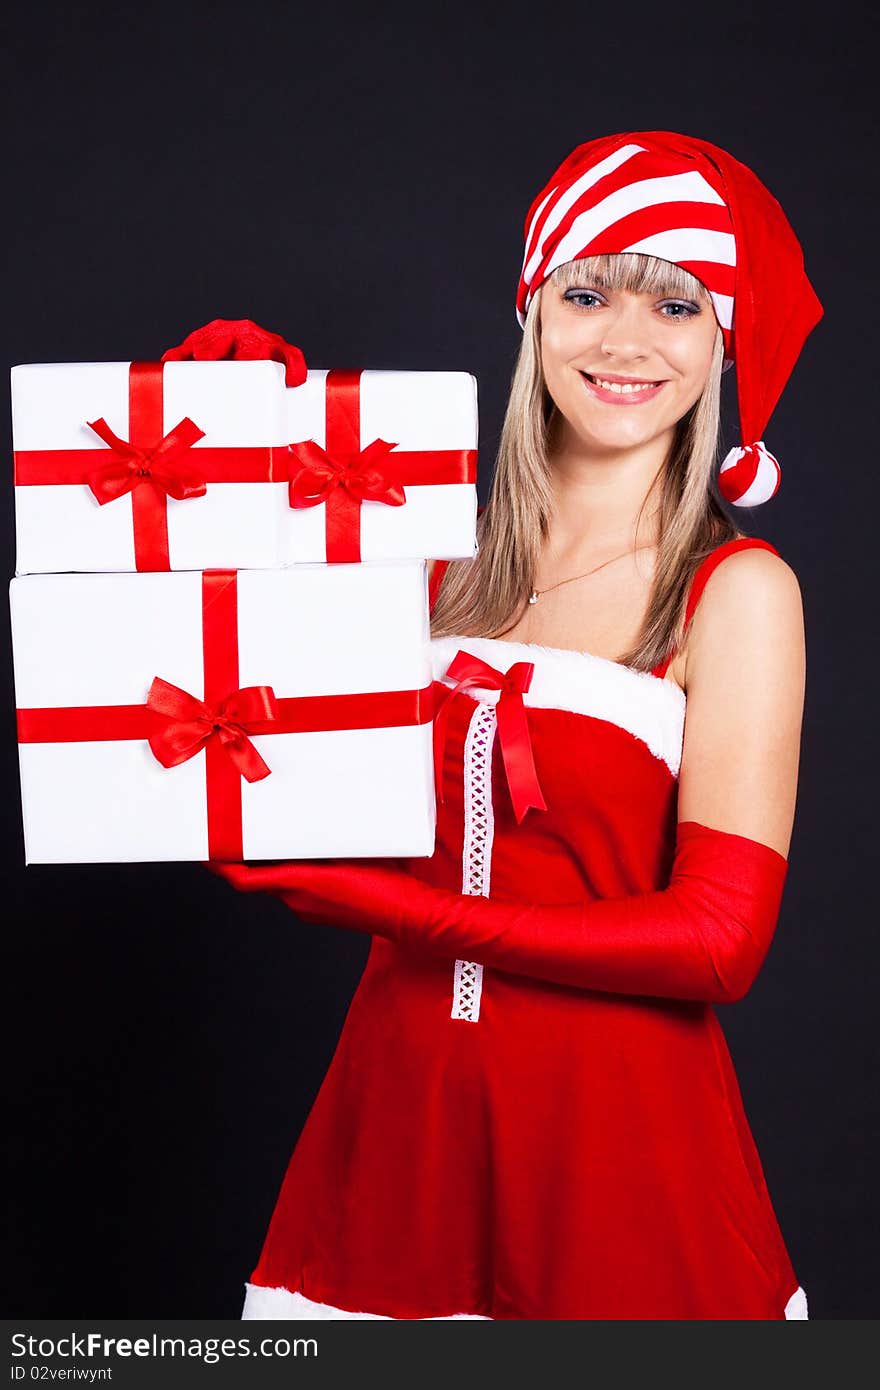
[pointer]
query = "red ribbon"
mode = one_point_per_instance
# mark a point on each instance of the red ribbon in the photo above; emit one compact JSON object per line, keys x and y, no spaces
{"x":177,"y":725}
{"x":343,"y":481}
{"x":513,"y":729}
{"x":130,"y":467}
{"x":188,"y":723}
{"x":343,"y":475}
{"x":150,"y":465}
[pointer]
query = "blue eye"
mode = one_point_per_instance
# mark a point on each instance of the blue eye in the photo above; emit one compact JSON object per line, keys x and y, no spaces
{"x":573,"y":295}
{"x":690,"y":310}
{"x":684,"y":309}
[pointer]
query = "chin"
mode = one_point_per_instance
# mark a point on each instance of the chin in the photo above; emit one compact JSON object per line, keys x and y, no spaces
{"x":611,"y":439}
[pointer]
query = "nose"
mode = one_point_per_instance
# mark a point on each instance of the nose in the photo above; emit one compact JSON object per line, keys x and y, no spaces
{"x":625,"y":336}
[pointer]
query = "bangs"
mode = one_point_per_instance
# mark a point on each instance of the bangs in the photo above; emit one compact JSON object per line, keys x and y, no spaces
{"x":632,"y":271}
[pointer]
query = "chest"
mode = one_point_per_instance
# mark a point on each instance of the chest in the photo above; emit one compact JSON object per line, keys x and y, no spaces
{"x":593,"y":689}
{"x":604,"y":619}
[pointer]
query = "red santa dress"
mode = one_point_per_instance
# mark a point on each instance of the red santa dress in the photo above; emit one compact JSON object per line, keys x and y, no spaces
{"x":489,"y":1145}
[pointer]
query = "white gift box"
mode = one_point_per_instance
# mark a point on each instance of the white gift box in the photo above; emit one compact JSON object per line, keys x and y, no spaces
{"x":427,"y":425}
{"x":60,"y":523}
{"x":345,"y":651}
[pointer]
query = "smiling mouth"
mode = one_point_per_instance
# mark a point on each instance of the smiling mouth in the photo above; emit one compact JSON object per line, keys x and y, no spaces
{"x":622,"y":388}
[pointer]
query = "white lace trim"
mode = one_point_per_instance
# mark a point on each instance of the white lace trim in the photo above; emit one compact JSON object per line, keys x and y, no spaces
{"x":648,"y":707}
{"x":467,"y":990}
{"x":479,"y":817}
{"x":479,"y":831}
{"x":268,"y":1304}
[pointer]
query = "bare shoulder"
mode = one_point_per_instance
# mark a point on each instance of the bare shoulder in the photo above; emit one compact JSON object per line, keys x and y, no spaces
{"x":751,"y":610}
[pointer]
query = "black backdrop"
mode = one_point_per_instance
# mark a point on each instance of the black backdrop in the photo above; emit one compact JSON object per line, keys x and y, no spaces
{"x":357,"y":179}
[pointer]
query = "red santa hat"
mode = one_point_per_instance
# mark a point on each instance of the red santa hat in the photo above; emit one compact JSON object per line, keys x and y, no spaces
{"x":687,"y":201}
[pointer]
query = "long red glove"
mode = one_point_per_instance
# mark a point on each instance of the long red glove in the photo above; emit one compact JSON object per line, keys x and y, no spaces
{"x":703,"y":937}
{"x":240,"y":340}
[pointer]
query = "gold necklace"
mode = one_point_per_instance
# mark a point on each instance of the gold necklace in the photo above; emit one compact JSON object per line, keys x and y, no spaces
{"x":536,"y":593}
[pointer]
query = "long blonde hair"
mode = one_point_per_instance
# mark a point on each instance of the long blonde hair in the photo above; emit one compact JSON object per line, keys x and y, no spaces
{"x":486,"y":595}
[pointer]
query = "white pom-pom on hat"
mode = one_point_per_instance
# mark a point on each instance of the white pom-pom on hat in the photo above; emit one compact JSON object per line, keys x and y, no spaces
{"x":749,"y":475}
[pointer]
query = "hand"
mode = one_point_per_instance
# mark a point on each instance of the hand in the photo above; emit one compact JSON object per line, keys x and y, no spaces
{"x":239,"y":340}
{"x":363,"y":894}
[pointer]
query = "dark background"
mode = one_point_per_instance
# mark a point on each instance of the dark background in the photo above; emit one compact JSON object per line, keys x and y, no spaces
{"x":356,"y":178}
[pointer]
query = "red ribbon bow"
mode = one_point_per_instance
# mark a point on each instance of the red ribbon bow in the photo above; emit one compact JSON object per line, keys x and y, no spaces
{"x":190,"y":723}
{"x":513,"y":729}
{"x":176,"y":725}
{"x":148,"y":457}
{"x":343,"y":479}
{"x":344,"y":475}
{"x":131,"y":465}
{"x":319,"y":473}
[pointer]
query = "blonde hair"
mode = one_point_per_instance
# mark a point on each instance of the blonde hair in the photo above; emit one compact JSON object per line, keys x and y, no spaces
{"x":486,"y":595}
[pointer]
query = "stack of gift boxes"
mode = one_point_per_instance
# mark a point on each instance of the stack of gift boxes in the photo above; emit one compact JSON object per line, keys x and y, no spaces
{"x":220,"y":611}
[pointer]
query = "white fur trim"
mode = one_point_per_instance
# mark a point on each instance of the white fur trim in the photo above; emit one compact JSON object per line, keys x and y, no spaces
{"x":269,"y":1304}
{"x":796,"y":1307}
{"x":650,"y":708}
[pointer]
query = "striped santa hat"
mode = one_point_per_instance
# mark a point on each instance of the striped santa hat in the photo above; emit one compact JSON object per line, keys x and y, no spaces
{"x":689,"y":202}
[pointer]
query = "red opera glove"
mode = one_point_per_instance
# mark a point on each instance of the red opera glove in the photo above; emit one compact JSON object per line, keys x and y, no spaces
{"x":704,"y":937}
{"x":239,"y":340}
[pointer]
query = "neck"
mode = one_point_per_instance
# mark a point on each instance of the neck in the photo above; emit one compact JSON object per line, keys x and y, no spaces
{"x":599,"y":495}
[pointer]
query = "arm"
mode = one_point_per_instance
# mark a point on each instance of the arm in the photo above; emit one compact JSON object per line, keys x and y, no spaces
{"x":704,"y":937}
{"x":744,"y":676}
{"x":707,"y":933}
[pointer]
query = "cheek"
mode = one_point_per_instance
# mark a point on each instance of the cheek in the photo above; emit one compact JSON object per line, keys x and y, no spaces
{"x":561,"y":343}
{"x":551,"y":346}
{"x":693,"y":361}
{"x":550,"y":362}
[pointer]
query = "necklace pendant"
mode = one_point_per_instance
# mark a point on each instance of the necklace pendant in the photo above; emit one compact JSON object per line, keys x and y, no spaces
{"x":534,"y":597}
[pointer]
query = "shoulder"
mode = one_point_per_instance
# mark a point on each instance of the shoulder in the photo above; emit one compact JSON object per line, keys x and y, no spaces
{"x":754,"y":580}
{"x":751,"y":607}
{"x":751,"y":573}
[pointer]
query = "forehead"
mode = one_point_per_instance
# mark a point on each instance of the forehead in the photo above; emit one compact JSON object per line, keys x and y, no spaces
{"x":633,"y":272}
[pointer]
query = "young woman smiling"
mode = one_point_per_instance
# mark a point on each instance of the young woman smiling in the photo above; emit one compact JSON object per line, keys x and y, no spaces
{"x":532,"y":1112}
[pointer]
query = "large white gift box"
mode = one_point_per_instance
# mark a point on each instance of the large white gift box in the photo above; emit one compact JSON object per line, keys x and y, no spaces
{"x":148,"y":465}
{"x":383,"y":466}
{"x":256,"y":714}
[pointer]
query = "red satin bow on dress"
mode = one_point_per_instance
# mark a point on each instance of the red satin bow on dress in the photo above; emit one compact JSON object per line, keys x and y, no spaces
{"x":513,"y":729}
{"x":130,"y":465}
{"x":359,"y":473}
{"x":191,"y":723}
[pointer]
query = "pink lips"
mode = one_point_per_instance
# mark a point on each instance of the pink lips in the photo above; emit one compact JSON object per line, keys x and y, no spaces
{"x":622,"y":398}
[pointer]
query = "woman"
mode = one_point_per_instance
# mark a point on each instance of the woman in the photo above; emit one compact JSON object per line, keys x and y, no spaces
{"x":531,"y":1112}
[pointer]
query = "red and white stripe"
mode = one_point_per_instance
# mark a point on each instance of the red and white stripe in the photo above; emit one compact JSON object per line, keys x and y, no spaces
{"x":637,"y":200}
{"x":749,"y":475}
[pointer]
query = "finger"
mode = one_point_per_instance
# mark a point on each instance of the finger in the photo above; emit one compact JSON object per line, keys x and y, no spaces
{"x":295,"y":371}
{"x":241,"y":876}
{"x":213,"y":344}
{"x":183,"y":351}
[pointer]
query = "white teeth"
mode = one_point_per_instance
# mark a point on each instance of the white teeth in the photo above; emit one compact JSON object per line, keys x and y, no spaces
{"x":621,"y":389}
